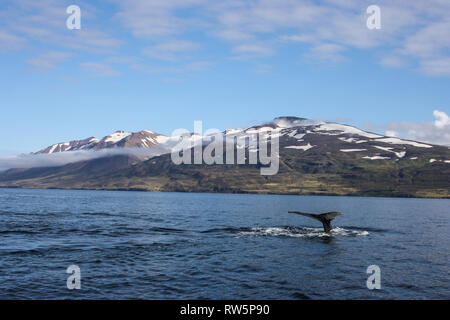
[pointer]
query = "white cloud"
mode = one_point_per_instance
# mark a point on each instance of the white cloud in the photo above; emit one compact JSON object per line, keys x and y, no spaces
{"x":417,"y":32}
{"x":393,"y":61}
{"x":120,"y":59}
{"x":198,"y":66}
{"x":298,"y":38}
{"x":99,"y":69}
{"x":195,"y":66}
{"x":170,"y":50}
{"x":263,"y":68}
{"x":326,"y":52}
{"x":429,"y":41}
{"x":430,"y":46}
{"x":62,"y":158}
{"x":252,"y":50}
{"x":48,"y":60}
{"x":391,"y":133}
{"x":44,"y":21}
{"x":436,"y":67}
{"x":234,"y":35}
{"x":442,"y":119}
{"x":92,"y":41}
{"x":9,"y":41}
{"x":410,"y":29}
{"x":437,"y":132}
{"x":156,"y":18}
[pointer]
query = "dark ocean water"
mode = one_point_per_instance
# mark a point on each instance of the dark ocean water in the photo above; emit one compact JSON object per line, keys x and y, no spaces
{"x":139,"y":245}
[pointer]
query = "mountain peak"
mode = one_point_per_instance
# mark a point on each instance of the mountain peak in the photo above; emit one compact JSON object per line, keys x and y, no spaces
{"x":116,"y":136}
{"x":119,"y":138}
{"x":289,"y":118}
{"x":289,"y":121}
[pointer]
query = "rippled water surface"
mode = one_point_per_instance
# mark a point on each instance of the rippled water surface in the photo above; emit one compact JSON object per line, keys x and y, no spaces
{"x":139,"y":245}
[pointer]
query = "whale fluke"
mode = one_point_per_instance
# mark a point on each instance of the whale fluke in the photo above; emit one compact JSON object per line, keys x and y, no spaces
{"x":325,"y":218}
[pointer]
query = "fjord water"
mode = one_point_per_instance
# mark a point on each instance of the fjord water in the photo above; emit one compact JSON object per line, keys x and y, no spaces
{"x":142,"y":245}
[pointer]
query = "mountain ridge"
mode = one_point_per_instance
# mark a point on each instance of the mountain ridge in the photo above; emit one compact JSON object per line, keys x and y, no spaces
{"x":146,"y":138}
{"x":119,"y":138}
{"x":316,"y":157}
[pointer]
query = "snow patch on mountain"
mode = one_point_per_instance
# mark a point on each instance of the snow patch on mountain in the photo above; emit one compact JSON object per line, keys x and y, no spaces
{"x":260,"y":130}
{"x":117,"y":136}
{"x":304,"y":148}
{"x":162,"y":139}
{"x":436,"y":160}
{"x":352,"y":150}
{"x":400,"y":154}
{"x":352,"y":140}
{"x":400,"y":141}
{"x":376,"y":158}
{"x":233,"y":131}
{"x":338,"y":129}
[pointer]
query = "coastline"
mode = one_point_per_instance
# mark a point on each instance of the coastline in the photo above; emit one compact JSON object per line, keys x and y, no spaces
{"x":360,"y":195}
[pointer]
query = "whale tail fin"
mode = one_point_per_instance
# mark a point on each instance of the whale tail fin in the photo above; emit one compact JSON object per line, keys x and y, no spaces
{"x":325,"y":218}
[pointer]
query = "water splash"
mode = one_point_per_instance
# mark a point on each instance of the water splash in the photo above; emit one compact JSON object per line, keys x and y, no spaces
{"x":301,"y":232}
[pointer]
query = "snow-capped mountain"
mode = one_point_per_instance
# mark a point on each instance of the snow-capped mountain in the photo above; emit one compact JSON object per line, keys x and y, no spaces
{"x":315,"y":157}
{"x":300,"y":129}
{"x":327,"y":137}
{"x":118,"y":139}
{"x":294,"y":133}
{"x":70,"y":146}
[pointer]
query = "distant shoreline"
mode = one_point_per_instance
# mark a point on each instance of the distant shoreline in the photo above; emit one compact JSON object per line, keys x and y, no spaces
{"x":368,"y":195}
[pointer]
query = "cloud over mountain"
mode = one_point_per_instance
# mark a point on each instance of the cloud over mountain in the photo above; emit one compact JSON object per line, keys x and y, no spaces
{"x":437,"y":131}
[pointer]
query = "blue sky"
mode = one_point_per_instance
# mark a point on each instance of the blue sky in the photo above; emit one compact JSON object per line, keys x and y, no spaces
{"x":160,"y":65}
